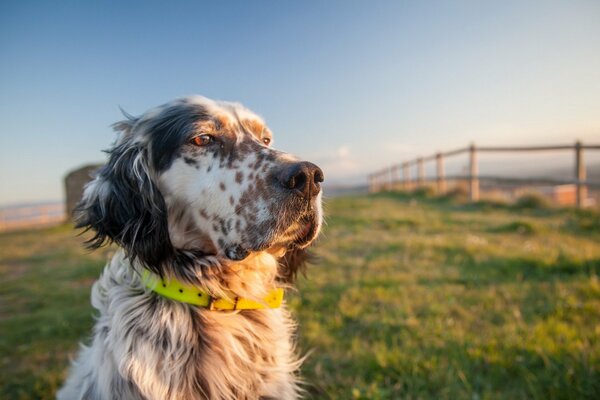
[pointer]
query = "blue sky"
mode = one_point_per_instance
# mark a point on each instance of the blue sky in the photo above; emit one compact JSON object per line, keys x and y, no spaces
{"x":352,"y":85}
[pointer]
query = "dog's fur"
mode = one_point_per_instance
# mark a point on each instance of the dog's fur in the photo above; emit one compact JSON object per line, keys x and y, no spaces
{"x":223,"y":216}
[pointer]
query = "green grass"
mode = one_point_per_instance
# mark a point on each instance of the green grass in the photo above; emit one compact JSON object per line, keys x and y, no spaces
{"x":44,"y":308}
{"x":412,"y":297}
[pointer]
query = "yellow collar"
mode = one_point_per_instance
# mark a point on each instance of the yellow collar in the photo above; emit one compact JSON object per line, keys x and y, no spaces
{"x":184,"y":293}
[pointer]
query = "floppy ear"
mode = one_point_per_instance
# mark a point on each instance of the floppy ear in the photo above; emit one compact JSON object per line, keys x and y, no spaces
{"x":123,"y":205}
{"x":292,"y":262}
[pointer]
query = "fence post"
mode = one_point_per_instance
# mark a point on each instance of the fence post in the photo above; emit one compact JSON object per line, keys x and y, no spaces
{"x":420,"y":171}
{"x":395,"y":177}
{"x":473,"y":179}
{"x":406,"y":173}
{"x":401,"y":179}
{"x":580,"y":175}
{"x":441,"y":181}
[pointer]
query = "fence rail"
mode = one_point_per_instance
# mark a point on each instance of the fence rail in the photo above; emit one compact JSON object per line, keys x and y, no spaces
{"x":390,"y":177}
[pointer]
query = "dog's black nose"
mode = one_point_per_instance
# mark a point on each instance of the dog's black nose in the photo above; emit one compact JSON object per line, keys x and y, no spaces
{"x":304,"y":178}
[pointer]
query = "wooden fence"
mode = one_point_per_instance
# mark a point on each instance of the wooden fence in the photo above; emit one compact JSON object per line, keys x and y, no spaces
{"x":31,"y":216}
{"x":390,"y":178}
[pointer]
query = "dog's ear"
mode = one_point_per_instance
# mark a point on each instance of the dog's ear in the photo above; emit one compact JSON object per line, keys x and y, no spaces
{"x":293,"y":262}
{"x":123,"y":205}
{"x":125,"y":127}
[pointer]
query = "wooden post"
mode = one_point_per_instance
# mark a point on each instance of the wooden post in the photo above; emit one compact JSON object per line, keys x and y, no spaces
{"x":580,"y":175}
{"x":441,"y":180}
{"x":473,"y":179}
{"x":406,"y":173}
{"x":395,"y":177}
{"x":401,"y":179}
{"x":420,"y":171}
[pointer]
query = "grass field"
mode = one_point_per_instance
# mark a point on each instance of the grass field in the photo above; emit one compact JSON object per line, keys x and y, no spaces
{"x":412,"y":298}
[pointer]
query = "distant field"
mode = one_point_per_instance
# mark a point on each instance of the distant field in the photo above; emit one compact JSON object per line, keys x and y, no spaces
{"x":412,"y":298}
{"x":32,"y":215}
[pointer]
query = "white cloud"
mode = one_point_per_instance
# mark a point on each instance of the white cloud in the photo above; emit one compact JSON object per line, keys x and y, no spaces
{"x":336,"y":163}
{"x":344,"y":151}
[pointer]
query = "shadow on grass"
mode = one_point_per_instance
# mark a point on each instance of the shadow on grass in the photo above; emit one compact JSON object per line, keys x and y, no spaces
{"x":495,"y":270}
{"x":520,"y":227}
{"x":459,"y":370}
{"x":583,"y":222}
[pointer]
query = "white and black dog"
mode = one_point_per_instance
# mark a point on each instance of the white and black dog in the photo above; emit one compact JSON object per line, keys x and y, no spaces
{"x":197,"y":201}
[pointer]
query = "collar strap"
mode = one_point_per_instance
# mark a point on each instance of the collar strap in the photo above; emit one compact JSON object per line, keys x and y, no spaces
{"x":184,"y":293}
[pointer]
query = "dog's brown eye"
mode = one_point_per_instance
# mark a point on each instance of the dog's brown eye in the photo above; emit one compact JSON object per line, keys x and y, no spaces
{"x":267,"y":141}
{"x":202,"y":140}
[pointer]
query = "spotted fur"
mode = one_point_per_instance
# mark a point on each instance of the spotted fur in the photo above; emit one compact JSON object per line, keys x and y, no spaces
{"x":223,"y":216}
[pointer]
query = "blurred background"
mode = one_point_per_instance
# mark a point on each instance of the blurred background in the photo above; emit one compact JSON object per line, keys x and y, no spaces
{"x":461,"y":147}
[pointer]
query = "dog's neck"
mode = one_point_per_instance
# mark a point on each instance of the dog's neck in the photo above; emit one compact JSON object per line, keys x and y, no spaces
{"x":169,"y":350}
{"x":252,"y":278}
{"x":178,"y":291}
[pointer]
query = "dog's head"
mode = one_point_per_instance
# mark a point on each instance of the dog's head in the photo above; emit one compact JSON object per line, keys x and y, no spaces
{"x":197,"y":176}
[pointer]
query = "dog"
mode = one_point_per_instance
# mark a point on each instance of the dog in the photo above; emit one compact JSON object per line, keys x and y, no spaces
{"x":211,"y":224}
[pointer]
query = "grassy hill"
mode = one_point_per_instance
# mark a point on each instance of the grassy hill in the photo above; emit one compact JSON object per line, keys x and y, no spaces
{"x":412,"y":298}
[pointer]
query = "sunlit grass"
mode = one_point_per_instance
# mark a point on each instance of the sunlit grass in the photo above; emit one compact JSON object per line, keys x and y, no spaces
{"x":422,"y":298}
{"x":44,"y":308}
{"x":412,"y":298}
